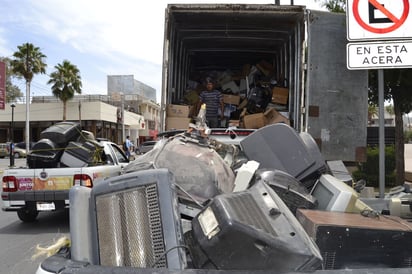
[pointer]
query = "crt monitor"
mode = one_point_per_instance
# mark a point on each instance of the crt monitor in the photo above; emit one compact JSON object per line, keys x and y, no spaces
{"x":333,"y":194}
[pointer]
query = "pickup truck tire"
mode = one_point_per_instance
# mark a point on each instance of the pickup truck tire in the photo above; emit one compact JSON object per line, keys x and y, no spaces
{"x":27,"y":215}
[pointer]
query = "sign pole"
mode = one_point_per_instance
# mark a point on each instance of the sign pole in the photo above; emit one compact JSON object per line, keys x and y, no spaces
{"x":381,"y":134}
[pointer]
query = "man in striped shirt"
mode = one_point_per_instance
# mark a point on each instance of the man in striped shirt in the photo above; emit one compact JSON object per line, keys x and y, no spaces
{"x":214,"y":101}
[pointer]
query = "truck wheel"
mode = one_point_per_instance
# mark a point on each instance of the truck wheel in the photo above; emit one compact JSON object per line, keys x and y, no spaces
{"x":27,"y":215}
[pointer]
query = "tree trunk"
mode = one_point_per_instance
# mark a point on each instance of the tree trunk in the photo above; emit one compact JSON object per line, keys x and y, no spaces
{"x":399,"y":145}
{"x":64,"y":110}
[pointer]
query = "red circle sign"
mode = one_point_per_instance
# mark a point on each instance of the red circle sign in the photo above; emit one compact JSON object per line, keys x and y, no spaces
{"x":397,"y":22}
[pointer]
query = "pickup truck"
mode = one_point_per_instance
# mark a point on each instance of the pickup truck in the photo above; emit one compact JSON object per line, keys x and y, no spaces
{"x":32,"y":190}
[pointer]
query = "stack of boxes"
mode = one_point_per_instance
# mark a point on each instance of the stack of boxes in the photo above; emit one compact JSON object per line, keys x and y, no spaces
{"x":177,"y":117}
{"x":235,"y":94}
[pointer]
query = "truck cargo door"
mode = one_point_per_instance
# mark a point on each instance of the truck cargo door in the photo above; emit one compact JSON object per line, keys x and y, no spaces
{"x":336,"y":98}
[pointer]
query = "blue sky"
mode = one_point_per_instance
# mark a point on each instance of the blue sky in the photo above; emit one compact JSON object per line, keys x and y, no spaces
{"x":100,"y":37}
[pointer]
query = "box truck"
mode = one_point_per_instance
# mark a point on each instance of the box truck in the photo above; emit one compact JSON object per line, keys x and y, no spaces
{"x":303,"y":50}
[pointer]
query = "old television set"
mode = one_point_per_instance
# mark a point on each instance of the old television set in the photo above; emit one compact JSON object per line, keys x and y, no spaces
{"x":251,"y":230}
{"x":333,"y":194}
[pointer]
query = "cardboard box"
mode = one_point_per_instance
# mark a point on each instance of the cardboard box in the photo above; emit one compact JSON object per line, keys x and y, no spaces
{"x":177,"y":123}
{"x":273,"y":117}
{"x":258,"y":120}
{"x":255,"y":121}
{"x":231,"y":99}
{"x":177,"y":111}
{"x":280,"y":95}
{"x":234,"y":123}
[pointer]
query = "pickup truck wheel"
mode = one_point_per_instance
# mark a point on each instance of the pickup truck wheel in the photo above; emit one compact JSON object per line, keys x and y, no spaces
{"x":27,"y":215}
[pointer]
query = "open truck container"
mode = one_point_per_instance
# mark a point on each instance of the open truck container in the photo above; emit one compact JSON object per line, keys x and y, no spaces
{"x":306,"y":48}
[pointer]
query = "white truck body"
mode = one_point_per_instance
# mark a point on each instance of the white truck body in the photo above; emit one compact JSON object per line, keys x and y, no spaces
{"x":30,"y":190}
{"x":307,"y":48}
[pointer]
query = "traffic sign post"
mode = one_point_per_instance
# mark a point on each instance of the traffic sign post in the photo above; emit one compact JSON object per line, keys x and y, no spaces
{"x":389,"y":24}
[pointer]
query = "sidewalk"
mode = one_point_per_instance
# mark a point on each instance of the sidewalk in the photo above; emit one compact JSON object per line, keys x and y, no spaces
{"x":408,"y":162}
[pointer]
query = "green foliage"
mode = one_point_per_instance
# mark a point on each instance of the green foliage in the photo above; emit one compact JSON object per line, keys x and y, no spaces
{"x":408,"y":136}
{"x":369,"y":171}
{"x":338,"y":6}
{"x":28,"y":61}
{"x":66,"y":81}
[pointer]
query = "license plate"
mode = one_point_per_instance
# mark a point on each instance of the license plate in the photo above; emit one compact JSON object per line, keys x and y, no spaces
{"x":45,"y":206}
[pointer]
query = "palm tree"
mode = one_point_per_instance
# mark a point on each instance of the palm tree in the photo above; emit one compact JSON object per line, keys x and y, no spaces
{"x":27,"y":62}
{"x":66,"y":82}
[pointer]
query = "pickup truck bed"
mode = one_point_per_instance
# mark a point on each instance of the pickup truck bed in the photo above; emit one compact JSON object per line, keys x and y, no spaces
{"x":31,"y":190}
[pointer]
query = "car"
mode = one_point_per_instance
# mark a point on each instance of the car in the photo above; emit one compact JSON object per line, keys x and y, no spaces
{"x":17,"y":151}
{"x":4,"y":151}
{"x":145,"y":147}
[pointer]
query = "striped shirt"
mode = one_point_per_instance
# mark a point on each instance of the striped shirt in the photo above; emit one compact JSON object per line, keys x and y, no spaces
{"x":212,"y":100}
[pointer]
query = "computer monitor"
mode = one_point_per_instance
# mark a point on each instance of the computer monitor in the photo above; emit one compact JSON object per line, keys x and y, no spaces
{"x":334,"y":195}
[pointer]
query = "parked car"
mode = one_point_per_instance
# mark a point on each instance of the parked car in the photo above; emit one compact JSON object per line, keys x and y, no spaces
{"x":4,"y":151}
{"x":145,"y":147}
{"x":17,"y":151}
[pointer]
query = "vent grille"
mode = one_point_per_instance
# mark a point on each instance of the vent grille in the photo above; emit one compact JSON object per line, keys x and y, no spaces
{"x":247,"y":211}
{"x":329,"y":259}
{"x":130,"y":229}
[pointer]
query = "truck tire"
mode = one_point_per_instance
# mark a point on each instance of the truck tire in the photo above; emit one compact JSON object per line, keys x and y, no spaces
{"x":27,"y":215}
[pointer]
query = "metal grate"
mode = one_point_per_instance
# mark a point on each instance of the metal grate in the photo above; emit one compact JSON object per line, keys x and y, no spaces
{"x":329,"y":259}
{"x":130,"y":229}
{"x":247,"y":211}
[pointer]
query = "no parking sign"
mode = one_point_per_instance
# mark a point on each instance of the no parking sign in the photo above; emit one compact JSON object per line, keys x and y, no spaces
{"x":378,"y":19}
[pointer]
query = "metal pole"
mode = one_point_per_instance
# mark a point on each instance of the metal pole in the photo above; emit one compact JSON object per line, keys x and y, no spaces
{"x":381,"y":134}
{"x":122,"y":112}
{"x":27,"y":115}
{"x":12,"y":136}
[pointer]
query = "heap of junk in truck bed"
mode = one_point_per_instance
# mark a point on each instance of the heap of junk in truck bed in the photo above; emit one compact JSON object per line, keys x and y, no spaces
{"x":270,"y":204}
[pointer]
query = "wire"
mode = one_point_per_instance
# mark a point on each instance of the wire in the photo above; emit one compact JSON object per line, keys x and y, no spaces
{"x":165,"y":253}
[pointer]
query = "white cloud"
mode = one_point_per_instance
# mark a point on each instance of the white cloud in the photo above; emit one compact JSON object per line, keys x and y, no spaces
{"x":106,"y":36}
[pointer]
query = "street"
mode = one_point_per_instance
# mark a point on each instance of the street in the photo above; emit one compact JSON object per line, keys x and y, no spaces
{"x":18,"y":240}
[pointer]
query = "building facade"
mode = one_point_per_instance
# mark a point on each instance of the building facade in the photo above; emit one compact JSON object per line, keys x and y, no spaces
{"x":100,"y":114}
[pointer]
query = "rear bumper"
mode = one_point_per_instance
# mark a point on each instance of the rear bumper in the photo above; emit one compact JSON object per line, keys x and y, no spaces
{"x":13,"y":201}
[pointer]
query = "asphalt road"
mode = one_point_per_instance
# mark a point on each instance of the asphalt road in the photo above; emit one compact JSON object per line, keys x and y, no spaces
{"x":18,"y":240}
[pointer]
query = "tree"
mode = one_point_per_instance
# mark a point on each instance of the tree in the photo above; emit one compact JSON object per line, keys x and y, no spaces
{"x":397,"y":87}
{"x":397,"y":84}
{"x":372,"y":111}
{"x":338,"y":6}
{"x":13,"y":92}
{"x":27,"y":62}
{"x":66,"y":82}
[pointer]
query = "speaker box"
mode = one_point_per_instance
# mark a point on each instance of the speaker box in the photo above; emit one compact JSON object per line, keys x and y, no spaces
{"x":353,"y":241}
{"x":62,"y":133}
